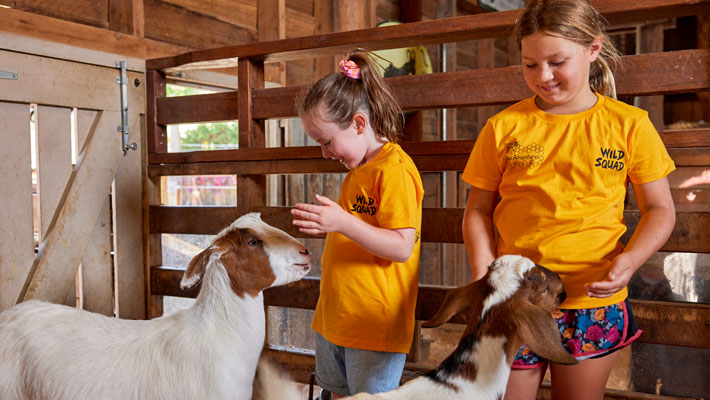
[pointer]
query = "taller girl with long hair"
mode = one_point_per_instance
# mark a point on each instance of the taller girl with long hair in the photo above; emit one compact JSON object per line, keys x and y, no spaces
{"x":550,"y":175}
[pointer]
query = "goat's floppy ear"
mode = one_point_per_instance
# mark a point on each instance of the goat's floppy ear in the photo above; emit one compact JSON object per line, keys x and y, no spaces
{"x":455,"y":301}
{"x":539,"y":331}
{"x":196,"y":270}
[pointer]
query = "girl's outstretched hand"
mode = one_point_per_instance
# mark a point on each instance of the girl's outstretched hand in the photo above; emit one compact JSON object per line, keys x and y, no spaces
{"x":318,"y":220}
{"x":619,"y":276}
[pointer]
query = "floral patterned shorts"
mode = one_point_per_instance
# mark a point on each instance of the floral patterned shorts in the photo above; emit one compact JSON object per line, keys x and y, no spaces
{"x":588,"y":333}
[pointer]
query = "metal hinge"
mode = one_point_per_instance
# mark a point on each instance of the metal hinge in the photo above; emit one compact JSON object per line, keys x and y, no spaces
{"x":7,"y":75}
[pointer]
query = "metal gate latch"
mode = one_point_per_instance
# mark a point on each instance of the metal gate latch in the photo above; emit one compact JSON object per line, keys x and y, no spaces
{"x":123,"y":128}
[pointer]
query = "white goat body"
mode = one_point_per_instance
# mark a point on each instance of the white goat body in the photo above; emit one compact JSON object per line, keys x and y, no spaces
{"x":509,"y":306}
{"x":208,"y":351}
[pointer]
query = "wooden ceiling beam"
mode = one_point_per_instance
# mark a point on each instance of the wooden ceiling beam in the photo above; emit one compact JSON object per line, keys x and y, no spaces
{"x":84,"y":36}
{"x":472,"y":27}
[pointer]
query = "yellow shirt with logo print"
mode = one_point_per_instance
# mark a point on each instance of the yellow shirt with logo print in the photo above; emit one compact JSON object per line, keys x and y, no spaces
{"x":367,"y":302}
{"x":562,"y":181}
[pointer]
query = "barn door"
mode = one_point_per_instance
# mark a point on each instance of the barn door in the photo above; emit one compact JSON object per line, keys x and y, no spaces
{"x":70,"y":199}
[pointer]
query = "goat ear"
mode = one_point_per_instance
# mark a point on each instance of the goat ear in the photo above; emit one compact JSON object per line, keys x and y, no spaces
{"x":455,"y":301}
{"x":196,"y":270}
{"x":539,"y":331}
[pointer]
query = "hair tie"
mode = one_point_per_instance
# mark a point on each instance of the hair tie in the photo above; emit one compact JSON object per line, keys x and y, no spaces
{"x":349,"y":68}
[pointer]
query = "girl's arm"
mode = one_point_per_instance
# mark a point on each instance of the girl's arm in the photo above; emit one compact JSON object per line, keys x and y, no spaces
{"x":478,"y":232}
{"x":392,"y":244}
{"x":655,"y":226}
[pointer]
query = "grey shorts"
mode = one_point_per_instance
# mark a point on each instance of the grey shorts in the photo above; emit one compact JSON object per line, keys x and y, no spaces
{"x":346,"y":371}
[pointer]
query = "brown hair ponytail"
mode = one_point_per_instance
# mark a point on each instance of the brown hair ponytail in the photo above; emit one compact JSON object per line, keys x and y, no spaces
{"x":342,"y":96}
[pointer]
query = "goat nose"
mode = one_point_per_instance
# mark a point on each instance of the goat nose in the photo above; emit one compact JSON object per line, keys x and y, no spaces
{"x":305,"y":252}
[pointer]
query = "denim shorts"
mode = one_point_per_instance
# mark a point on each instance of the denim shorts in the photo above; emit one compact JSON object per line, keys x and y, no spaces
{"x":346,"y":371}
{"x":588,"y":333}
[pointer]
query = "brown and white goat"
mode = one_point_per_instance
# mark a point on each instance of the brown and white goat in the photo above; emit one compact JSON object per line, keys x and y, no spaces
{"x":508,"y":306}
{"x":209,"y":351}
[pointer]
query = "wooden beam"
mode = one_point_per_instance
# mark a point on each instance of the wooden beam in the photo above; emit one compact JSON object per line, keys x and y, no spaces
{"x":439,"y":225}
{"x":252,"y":188}
{"x":155,"y":91}
{"x":473,"y":27}
{"x":84,"y":36}
{"x":639,"y":76}
{"x":271,"y":25}
{"x":324,"y":23}
{"x":167,"y":23}
{"x":16,"y":237}
{"x":649,"y":39}
{"x":669,"y":323}
{"x":126,"y":16}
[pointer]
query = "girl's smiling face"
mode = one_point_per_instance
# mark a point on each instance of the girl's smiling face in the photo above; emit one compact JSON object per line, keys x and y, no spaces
{"x":343,"y":144}
{"x":557,"y":70}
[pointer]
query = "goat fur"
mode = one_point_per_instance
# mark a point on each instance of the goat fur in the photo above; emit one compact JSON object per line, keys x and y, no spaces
{"x":209,"y":351}
{"x":508,"y":306}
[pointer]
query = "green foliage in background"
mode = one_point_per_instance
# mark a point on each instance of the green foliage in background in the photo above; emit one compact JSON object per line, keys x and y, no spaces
{"x":206,"y":136}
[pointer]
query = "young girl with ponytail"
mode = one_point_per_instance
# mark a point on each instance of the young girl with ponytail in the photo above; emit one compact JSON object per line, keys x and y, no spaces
{"x":549,"y":177}
{"x":364,"y":319}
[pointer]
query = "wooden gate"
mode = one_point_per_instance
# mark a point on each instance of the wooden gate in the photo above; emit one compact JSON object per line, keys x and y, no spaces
{"x":70,"y":200}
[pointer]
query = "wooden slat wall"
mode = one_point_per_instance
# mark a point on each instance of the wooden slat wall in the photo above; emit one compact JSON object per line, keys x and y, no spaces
{"x":640,"y":75}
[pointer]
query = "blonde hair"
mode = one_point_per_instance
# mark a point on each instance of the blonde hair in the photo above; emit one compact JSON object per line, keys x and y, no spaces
{"x":343,"y":97}
{"x":580,"y":22}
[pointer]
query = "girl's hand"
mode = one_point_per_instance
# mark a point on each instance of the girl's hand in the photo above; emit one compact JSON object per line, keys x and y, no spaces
{"x":620,"y":274}
{"x":318,"y":220}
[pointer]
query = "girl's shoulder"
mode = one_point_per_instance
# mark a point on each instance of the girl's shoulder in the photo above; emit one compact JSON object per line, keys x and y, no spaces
{"x":619,"y":108}
{"x":515,"y":111}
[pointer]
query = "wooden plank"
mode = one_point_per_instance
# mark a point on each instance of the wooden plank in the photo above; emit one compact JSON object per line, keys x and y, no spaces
{"x":126,"y":16}
{"x":252,"y":188}
{"x":294,"y":160}
{"x":96,"y":263}
{"x":83,"y":36}
{"x":439,"y":225}
{"x":157,"y":133}
{"x":166,"y":23}
{"x":473,"y":27}
{"x":38,"y":47}
{"x":271,"y":25}
{"x":640,"y":75}
{"x":54,"y":163}
{"x":72,"y":84}
{"x":241,"y":13}
{"x":670,"y":323}
{"x":97,"y":266}
{"x":128,"y":230}
{"x":649,"y":39}
{"x":88,"y":12}
{"x":16,"y":241}
{"x":300,"y":152}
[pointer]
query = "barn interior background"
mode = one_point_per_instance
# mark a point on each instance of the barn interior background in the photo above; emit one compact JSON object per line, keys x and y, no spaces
{"x":101,"y":240}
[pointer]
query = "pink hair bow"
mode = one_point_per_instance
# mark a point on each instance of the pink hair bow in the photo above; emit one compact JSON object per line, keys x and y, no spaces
{"x":349,"y":68}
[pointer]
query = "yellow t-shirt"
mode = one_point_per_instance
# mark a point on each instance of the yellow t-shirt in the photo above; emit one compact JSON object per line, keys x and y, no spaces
{"x":562,"y":181}
{"x":367,"y":302}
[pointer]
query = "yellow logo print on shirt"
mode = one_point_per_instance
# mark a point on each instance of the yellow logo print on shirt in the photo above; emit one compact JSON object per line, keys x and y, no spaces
{"x":523,"y":156}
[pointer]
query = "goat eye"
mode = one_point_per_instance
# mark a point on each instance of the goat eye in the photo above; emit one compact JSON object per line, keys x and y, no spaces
{"x":254,"y":242}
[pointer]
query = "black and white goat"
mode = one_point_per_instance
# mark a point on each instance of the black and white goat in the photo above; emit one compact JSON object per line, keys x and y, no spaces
{"x":209,"y":351}
{"x":509,"y":306}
